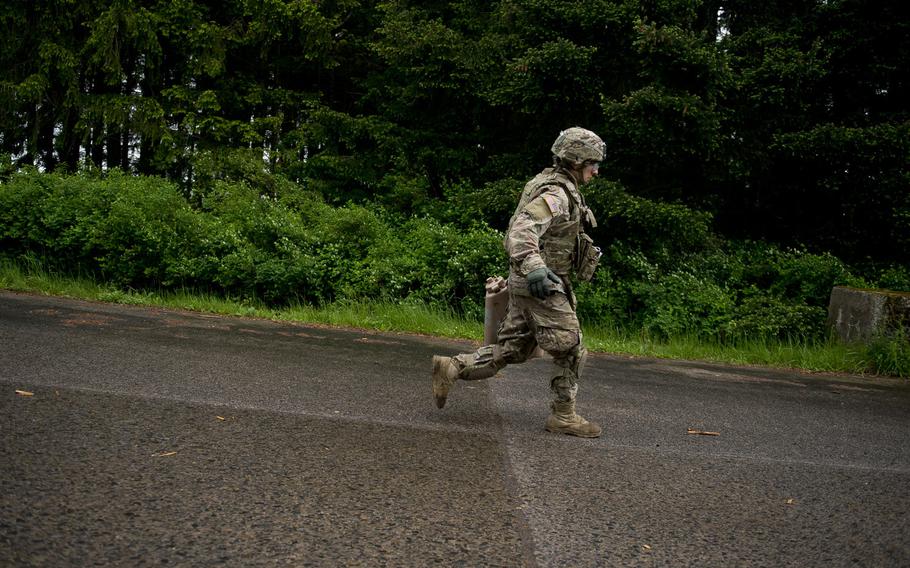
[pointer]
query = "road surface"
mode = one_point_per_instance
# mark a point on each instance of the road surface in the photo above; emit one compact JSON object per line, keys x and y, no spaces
{"x":156,"y":437}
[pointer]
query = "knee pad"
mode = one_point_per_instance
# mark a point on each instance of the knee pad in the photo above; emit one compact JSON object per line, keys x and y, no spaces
{"x":482,"y":364}
{"x":568,"y":367}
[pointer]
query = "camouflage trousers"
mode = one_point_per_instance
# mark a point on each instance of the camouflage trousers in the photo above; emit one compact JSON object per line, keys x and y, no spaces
{"x":550,"y":323}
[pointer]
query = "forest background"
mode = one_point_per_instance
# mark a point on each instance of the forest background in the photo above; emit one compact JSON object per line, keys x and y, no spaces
{"x":315,"y":152}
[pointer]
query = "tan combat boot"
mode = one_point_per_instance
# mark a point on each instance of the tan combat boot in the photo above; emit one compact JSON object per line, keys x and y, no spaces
{"x":445,"y":373}
{"x":563,"y":420}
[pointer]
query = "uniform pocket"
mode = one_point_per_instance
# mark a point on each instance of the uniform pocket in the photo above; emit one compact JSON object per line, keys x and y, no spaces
{"x":554,"y":340}
{"x":587,"y":257}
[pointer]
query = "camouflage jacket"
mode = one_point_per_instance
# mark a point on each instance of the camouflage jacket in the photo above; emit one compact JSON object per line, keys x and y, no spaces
{"x":545,"y":227}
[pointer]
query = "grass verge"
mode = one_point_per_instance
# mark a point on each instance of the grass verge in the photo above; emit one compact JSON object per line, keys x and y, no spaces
{"x":808,"y":355}
{"x":380,"y":316}
{"x":829,"y":356}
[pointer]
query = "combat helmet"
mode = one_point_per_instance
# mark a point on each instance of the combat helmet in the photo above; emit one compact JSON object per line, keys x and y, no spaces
{"x":578,"y":145}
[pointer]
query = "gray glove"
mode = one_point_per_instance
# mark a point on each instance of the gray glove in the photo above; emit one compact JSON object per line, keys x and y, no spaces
{"x":543,"y":282}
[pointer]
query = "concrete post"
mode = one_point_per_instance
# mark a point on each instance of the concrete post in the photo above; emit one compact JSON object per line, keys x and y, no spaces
{"x":859,"y":315}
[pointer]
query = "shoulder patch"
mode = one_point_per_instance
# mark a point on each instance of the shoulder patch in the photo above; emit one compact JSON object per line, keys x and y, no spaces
{"x":539,"y":210}
{"x":552,"y":203}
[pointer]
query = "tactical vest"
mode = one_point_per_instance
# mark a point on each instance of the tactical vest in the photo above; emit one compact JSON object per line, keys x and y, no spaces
{"x":558,"y":243}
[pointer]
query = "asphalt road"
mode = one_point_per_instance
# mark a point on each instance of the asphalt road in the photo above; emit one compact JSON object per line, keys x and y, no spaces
{"x":158,"y":437}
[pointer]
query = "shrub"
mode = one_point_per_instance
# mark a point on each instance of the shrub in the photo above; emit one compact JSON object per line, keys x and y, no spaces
{"x":890,"y":353}
{"x":665,"y":233}
{"x":41,"y":214}
{"x":295,"y":248}
{"x":663,"y":270}
{"x":734,"y":290}
{"x":761,"y":314}
{"x":127,"y":227}
{"x":492,"y":204}
{"x":896,"y":278}
{"x":435,"y":263}
{"x":140,"y":229}
{"x":683,"y":304}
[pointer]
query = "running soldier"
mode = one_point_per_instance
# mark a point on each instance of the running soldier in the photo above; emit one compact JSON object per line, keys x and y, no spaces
{"x":545,"y":242}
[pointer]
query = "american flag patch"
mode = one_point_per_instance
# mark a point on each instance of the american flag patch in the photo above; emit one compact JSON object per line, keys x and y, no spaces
{"x":552,"y":203}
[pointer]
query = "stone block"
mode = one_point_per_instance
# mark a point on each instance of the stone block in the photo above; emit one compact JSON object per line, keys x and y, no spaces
{"x":859,"y":315}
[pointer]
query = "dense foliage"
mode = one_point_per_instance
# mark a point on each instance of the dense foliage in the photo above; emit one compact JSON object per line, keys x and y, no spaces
{"x":140,"y":232}
{"x":665,"y":271}
{"x":787,"y":121}
{"x":313,"y":151}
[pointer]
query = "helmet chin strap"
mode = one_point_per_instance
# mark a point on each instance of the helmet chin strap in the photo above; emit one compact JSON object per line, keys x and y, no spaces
{"x":577,"y":176}
{"x":575,"y":172}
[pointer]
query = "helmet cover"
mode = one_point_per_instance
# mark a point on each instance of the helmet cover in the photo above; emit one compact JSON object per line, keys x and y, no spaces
{"x":578,"y":145}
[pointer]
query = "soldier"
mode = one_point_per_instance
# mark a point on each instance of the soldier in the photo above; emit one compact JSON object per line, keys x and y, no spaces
{"x":545,"y":242}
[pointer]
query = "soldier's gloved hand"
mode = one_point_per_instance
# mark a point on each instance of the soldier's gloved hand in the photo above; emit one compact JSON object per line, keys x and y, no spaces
{"x":543,"y":282}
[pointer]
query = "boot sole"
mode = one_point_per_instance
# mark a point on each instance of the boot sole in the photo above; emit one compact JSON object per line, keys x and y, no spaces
{"x":571,"y":432}
{"x":438,"y":385}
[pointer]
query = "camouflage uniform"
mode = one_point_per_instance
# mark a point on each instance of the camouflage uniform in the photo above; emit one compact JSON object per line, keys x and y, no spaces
{"x":543,"y":233}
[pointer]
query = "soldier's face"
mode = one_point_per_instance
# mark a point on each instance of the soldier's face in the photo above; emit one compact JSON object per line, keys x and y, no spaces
{"x":589,"y":171}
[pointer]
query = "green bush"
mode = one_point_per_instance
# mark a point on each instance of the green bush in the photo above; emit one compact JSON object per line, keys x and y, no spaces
{"x":793,"y":274}
{"x":663,"y":232}
{"x":663,"y":270}
{"x":681,"y":303}
{"x":762,"y":314}
{"x":141,"y":232}
{"x":491,"y":204}
{"x":438,"y":264}
{"x":890,"y":353}
{"x":294,"y":249}
{"x":128,"y":228}
{"x":895,"y":278}
{"x":41,"y":215}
